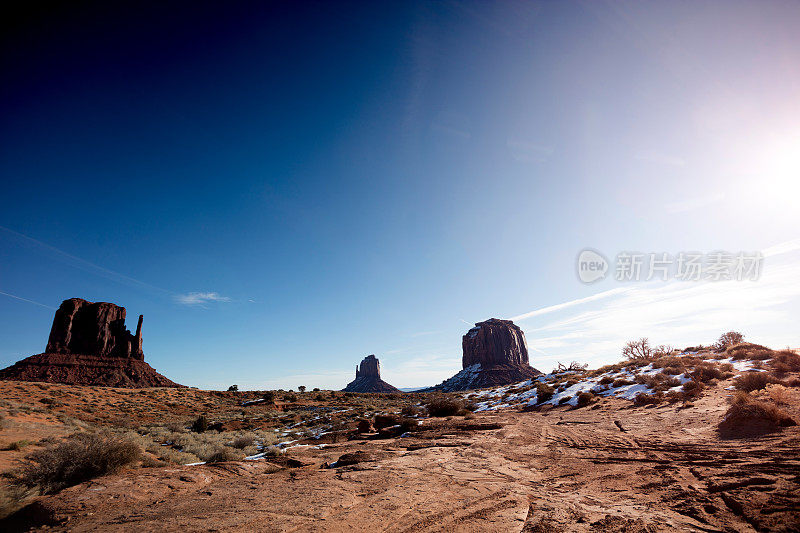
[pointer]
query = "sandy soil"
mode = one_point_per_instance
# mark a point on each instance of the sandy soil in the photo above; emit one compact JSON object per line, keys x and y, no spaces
{"x":664,"y":469}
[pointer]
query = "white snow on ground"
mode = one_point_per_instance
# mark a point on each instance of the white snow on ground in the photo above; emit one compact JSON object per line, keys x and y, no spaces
{"x":739,"y":366}
{"x":463,"y":379}
{"x":524,"y":393}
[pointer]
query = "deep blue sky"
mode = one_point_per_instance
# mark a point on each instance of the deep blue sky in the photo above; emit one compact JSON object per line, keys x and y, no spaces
{"x":347,"y":179}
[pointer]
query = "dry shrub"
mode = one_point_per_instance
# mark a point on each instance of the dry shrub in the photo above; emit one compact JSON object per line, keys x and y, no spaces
{"x":793,"y":382}
{"x":574,"y":366}
{"x":748,"y":350}
{"x":171,"y":455}
{"x":785,"y":361}
{"x":747,"y":416}
{"x":673,"y":370}
{"x":657,"y":382}
{"x":668,"y":360}
{"x":81,"y":457}
{"x":411,"y":410}
{"x":544,"y":392}
{"x":585,"y":398}
{"x":694,"y":387}
{"x":444,"y":406}
{"x":779,"y":394}
{"x":648,"y":399}
{"x":200,"y":424}
{"x":606,"y":380}
{"x":698,"y":348}
{"x":243,"y":441}
{"x":706,"y":371}
{"x":18,"y":445}
{"x":385,"y":421}
{"x":750,"y":381}
{"x":226,"y":454}
{"x":621,"y":382}
{"x":663,"y":350}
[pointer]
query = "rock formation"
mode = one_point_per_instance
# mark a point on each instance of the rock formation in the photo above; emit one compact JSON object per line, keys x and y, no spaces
{"x":82,"y":327}
{"x":90,"y":345}
{"x":368,"y":378}
{"x":494,"y":353}
{"x":494,"y":342}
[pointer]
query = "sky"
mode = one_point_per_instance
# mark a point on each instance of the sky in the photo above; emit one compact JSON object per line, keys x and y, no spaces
{"x":284,"y":188}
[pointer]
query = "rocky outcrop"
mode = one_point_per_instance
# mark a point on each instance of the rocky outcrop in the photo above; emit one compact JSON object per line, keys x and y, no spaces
{"x":82,"y":327}
{"x":494,"y":342}
{"x":368,"y":378}
{"x":494,"y":353}
{"x":90,"y":345}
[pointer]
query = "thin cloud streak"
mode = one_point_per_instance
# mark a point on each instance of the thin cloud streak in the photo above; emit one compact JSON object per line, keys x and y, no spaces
{"x":87,"y":266}
{"x":571,"y":303}
{"x":26,"y":300}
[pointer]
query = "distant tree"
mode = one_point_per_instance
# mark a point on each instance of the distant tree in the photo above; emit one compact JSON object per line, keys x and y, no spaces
{"x":233,"y":388}
{"x":728,"y":339}
{"x":316,"y":389}
{"x":637,"y":350}
{"x":301,"y":388}
{"x":662,"y":350}
{"x":574,"y":366}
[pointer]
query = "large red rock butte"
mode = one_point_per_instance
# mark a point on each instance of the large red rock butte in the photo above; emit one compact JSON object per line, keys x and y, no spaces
{"x":368,"y":378}
{"x":494,"y":353}
{"x":90,"y":345}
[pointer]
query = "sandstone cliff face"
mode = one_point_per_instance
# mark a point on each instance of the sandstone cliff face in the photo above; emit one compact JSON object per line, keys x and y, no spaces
{"x":81,"y":327}
{"x":494,"y":342}
{"x":89,"y":345}
{"x":369,"y":367}
{"x":494,"y":353}
{"x":368,"y":378}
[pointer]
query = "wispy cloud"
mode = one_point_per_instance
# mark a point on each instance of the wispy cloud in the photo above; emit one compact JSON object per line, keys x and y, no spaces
{"x":26,"y":300}
{"x":200,"y":298}
{"x":593,"y":329}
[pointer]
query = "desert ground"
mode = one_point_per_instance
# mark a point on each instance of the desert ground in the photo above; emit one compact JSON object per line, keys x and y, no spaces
{"x":503,"y":460}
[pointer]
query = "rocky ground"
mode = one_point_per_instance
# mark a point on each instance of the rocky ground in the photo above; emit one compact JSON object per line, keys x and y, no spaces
{"x":607,"y":466}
